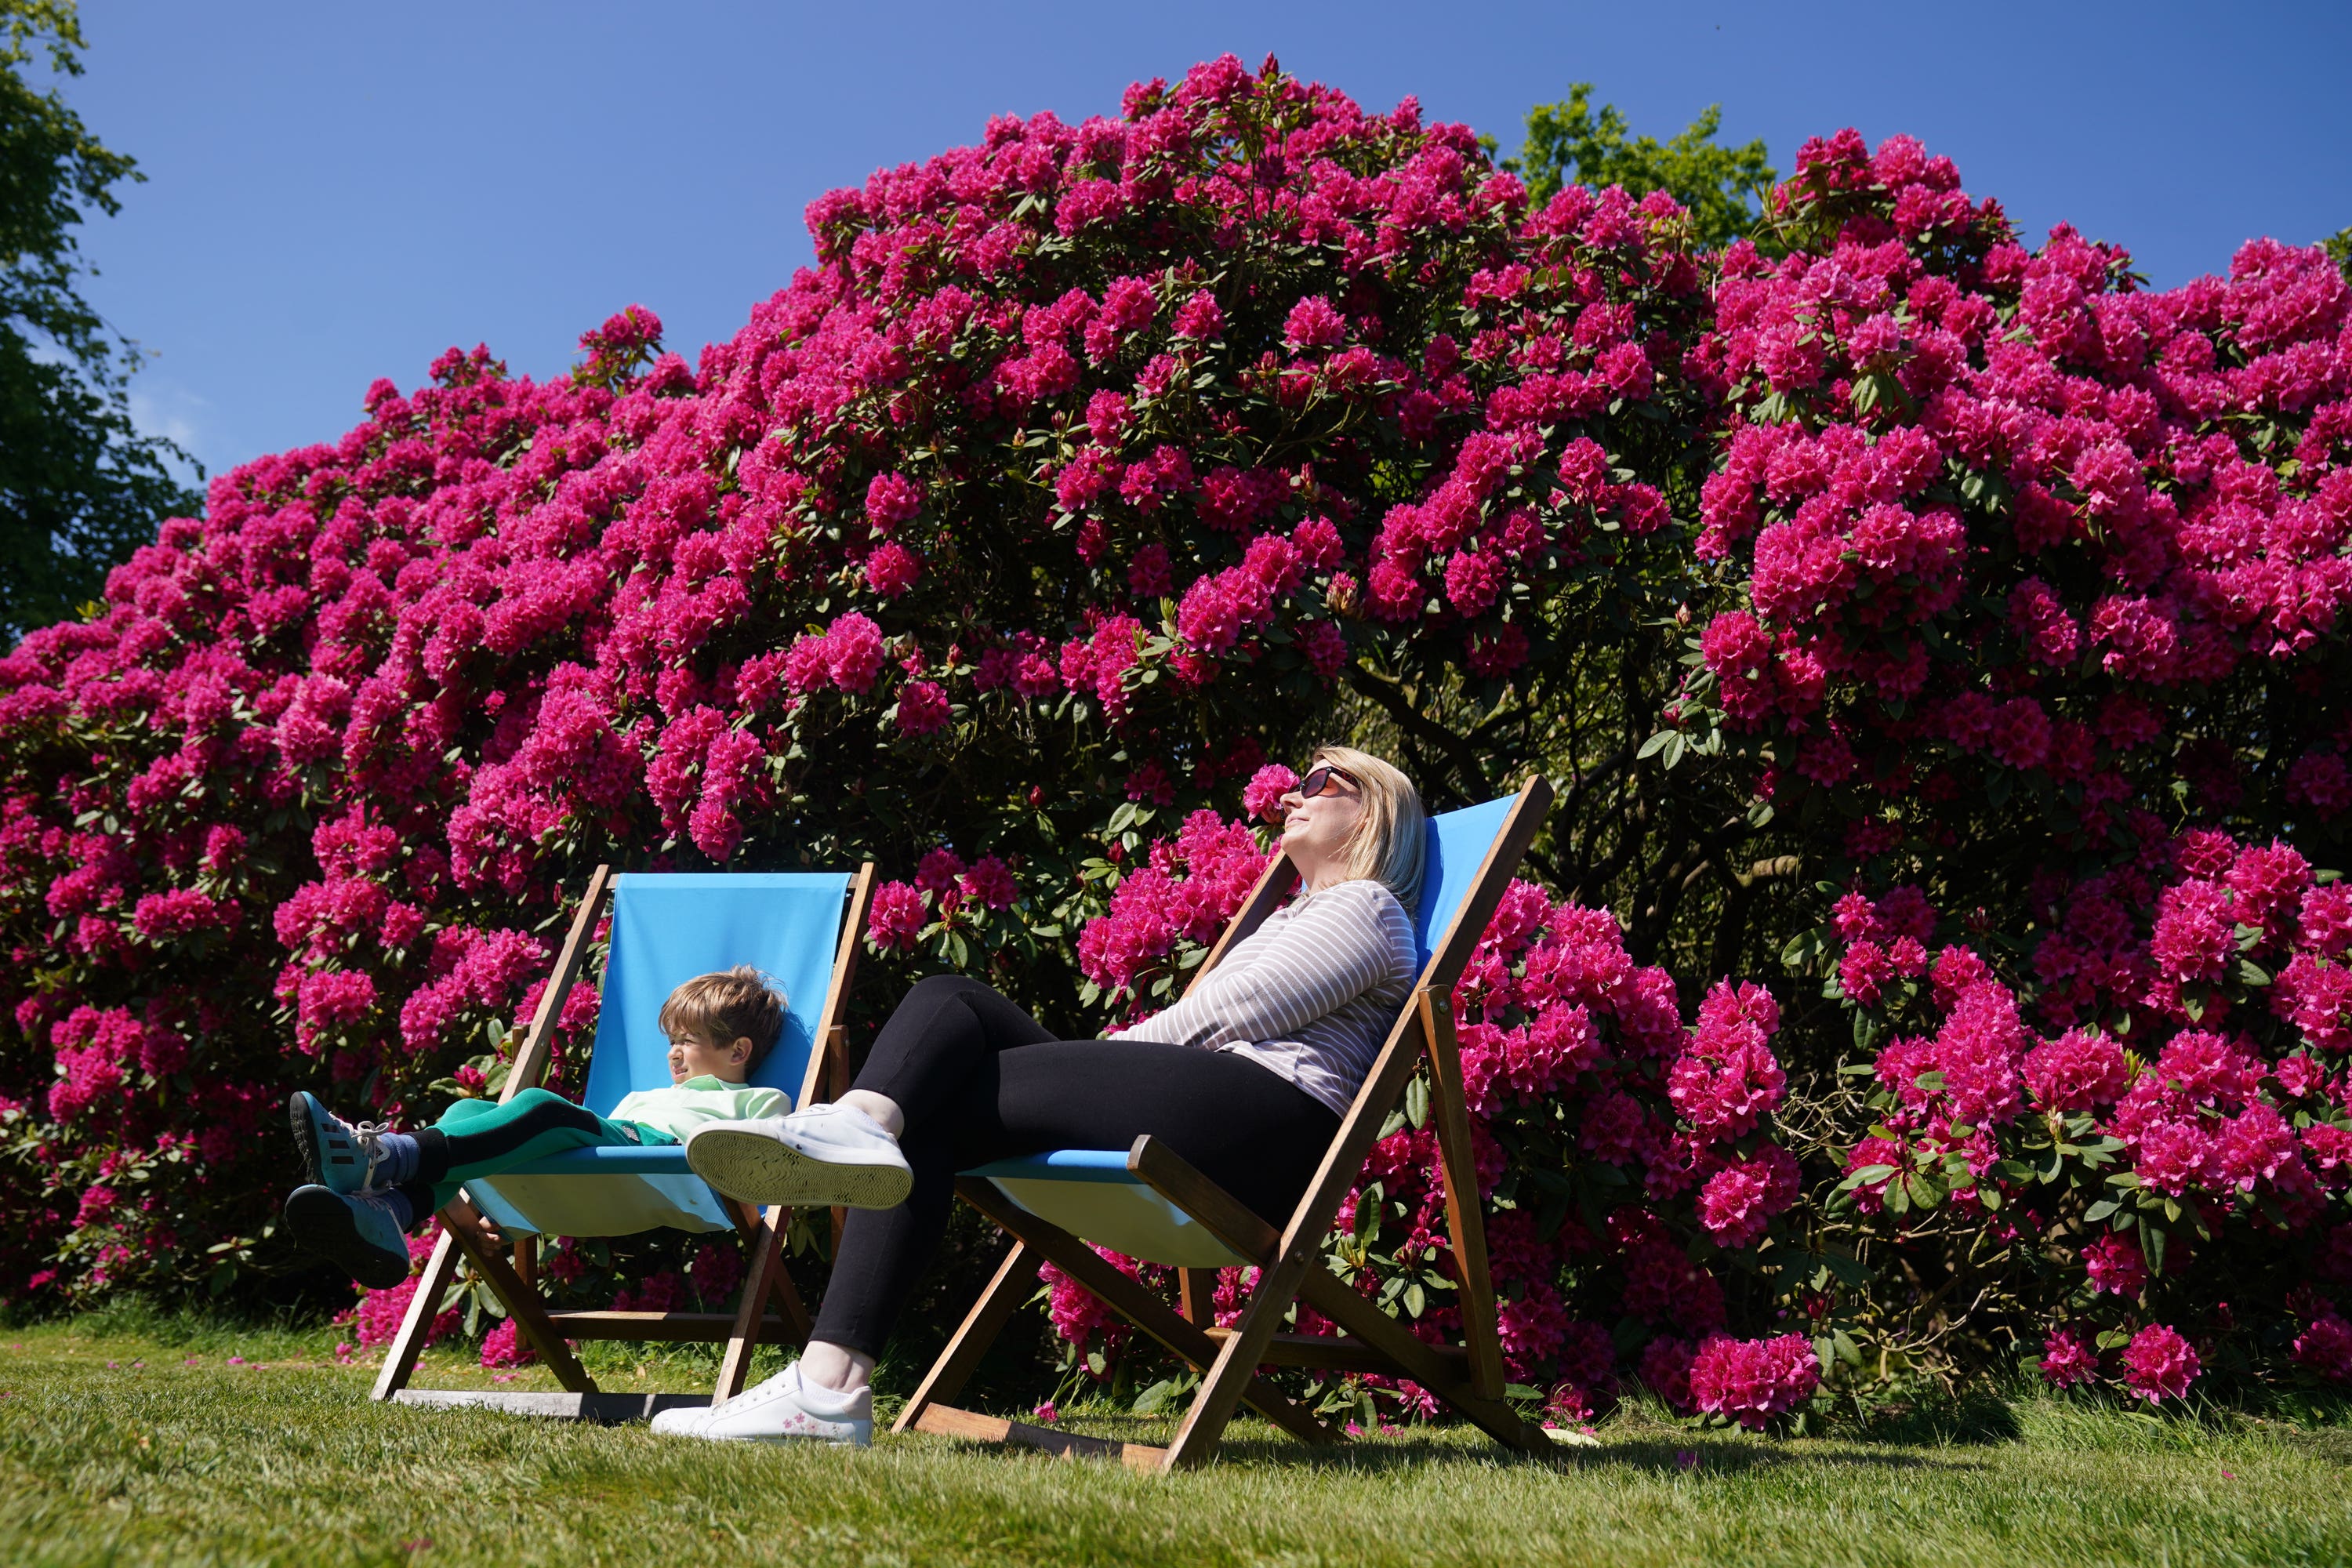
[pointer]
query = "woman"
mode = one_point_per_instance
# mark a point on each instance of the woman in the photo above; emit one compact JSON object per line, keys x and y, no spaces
{"x":1247,"y":1077}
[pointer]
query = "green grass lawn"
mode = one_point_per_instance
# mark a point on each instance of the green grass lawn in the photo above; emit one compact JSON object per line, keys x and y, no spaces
{"x":129,"y":1442}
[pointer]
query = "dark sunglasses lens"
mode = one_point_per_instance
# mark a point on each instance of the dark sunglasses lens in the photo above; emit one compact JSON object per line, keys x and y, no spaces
{"x":1314,"y":783}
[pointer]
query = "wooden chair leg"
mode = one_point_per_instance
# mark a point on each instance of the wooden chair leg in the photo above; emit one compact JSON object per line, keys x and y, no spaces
{"x":789,"y":1305}
{"x":1224,"y":1380}
{"x":1006,"y":1290}
{"x":1334,"y":1298}
{"x":1480,"y":1332}
{"x":1213,"y":1208}
{"x":765,"y":1277}
{"x":1197,"y":1289}
{"x":400,"y":1361}
{"x":1223,"y":1384}
{"x":777,"y":1223}
{"x":530,"y":1311}
{"x":1302,"y":1239}
{"x":1150,"y":1313}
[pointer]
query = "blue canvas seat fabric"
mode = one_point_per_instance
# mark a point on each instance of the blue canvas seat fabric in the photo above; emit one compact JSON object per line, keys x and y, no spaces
{"x":667,"y":928}
{"x":1091,"y":1193}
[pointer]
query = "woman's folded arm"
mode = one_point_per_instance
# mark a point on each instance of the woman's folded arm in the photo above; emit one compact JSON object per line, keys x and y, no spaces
{"x":1322,"y":954}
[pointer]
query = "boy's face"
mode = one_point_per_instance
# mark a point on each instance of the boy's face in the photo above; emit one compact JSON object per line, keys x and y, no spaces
{"x":690,"y":1056}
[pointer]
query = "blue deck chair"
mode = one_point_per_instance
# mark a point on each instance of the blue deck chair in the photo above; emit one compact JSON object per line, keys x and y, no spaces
{"x":1149,"y":1203}
{"x":801,"y":928}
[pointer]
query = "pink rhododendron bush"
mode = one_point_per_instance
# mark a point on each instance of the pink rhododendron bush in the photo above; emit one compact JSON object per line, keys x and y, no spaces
{"x":1934,"y":957}
{"x":2035,"y":584}
{"x":1087,"y":468}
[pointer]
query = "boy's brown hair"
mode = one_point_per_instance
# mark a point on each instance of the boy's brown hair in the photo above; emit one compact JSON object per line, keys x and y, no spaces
{"x":737,"y":1003}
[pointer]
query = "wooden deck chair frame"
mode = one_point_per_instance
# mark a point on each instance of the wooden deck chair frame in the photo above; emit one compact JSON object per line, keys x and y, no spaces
{"x":769,"y":1309}
{"x":1468,"y":1378}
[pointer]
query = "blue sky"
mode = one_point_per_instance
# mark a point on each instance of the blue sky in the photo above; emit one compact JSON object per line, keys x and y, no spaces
{"x":337,"y":193}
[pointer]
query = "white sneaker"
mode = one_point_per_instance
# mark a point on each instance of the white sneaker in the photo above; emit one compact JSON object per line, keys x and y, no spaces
{"x":782,"y":1410}
{"x":821,"y":1156}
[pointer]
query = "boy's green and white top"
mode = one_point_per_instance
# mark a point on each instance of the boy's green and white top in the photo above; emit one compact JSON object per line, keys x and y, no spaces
{"x":680,"y":1108}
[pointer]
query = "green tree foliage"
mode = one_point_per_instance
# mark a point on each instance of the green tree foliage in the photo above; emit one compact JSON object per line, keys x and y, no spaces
{"x":1568,"y":143}
{"x":80,"y":487}
{"x":2339,"y":246}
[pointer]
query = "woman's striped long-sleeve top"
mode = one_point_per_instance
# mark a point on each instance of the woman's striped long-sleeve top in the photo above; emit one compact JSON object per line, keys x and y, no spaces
{"x":1310,"y":995}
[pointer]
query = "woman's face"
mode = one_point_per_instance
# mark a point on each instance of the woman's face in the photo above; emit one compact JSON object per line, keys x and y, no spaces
{"x":1315,"y":832}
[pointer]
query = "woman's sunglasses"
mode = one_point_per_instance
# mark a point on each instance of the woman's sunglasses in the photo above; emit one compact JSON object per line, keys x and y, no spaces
{"x":1318,"y":779}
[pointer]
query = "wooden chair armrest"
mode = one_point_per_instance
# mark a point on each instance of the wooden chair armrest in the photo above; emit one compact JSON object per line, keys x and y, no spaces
{"x":530,"y":1058}
{"x":1218,"y":1211}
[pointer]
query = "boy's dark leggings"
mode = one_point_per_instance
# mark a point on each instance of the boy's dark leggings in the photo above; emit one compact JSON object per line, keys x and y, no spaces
{"x":480,"y":1138}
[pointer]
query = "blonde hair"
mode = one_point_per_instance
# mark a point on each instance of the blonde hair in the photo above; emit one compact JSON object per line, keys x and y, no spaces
{"x":735,"y":1003}
{"x":1387,"y":843}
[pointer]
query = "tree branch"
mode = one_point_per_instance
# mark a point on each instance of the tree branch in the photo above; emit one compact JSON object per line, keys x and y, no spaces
{"x":1390,"y":696}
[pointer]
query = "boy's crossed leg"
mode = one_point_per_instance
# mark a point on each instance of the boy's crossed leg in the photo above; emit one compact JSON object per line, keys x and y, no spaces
{"x":411,"y":1175}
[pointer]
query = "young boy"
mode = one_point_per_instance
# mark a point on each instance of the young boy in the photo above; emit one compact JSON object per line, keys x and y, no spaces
{"x":367,"y":1187}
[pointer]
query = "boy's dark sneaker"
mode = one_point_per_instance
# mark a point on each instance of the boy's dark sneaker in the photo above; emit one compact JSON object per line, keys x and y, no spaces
{"x":362,"y":1234}
{"x":335,"y":1154}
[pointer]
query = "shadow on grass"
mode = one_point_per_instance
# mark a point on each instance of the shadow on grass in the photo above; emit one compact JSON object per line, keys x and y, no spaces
{"x":1692,"y":1454}
{"x":1700,"y":1457}
{"x":1974,"y":1419}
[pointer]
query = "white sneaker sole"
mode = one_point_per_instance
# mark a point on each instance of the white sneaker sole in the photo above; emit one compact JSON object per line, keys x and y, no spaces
{"x":857,"y":1439}
{"x":779,"y":1441}
{"x":753,"y":1168}
{"x":864,"y":1439}
{"x":860,"y":1435}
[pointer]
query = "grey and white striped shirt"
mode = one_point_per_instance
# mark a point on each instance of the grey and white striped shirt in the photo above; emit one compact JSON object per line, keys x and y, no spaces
{"x":1310,"y":995}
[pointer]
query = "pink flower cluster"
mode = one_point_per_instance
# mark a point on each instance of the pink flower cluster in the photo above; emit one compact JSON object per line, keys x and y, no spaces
{"x":2159,"y":1364}
{"x":1080,"y":1319}
{"x":2325,"y":1345}
{"x":1936,"y":429}
{"x":1854,"y":544}
{"x":1751,"y":1382}
{"x":1185,"y":892}
{"x":504,"y":1346}
{"x":945,"y":891}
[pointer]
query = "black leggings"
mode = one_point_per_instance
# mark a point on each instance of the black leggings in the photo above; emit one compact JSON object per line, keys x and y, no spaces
{"x":980,"y":1081}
